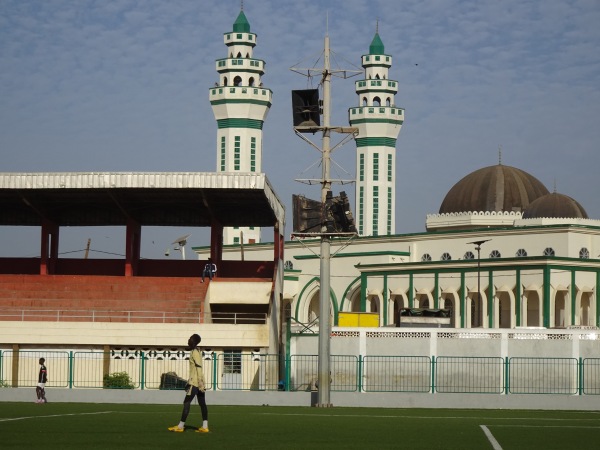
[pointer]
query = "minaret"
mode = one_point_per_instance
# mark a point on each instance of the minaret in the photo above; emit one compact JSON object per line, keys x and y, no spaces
{"x":240,"y":104}
{"x":378,"y":120}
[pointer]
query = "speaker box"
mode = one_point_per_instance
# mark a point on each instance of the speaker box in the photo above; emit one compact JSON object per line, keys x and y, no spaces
{"x":305,"y":105}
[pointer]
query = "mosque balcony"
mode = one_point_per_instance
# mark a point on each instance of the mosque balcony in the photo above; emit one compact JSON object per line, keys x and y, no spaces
{"x":240,"y":64}
{"x":223,"y":94}
{"x":376,"y":113}
{"x":376,"y":60}
{"x":387,"y":86}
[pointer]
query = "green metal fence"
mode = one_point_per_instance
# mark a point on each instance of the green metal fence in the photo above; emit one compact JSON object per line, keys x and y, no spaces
{"x":590,"y":376}
{"x":349,"y":373}
{"x":254,"y":371}
{"x":543,"y":376}
{"x":459,"y":374}
{"x":303,"y":373}
{"x":396,"y":374}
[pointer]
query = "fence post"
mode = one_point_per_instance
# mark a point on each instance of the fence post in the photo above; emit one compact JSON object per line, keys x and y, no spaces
{"x":15,"y":366}
{"x":142,"y":371}
{"x":214,"y":361}
{"x":288,"y":371}
{"x":580,"y":378}
{"x":506,"y":373}
{"x":70,"y":382}
{"x":433,"y":374}
{"x":360,"y":365}
{"x":508,"y":376}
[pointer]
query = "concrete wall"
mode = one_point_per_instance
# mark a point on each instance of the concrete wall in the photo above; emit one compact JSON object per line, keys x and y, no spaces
{"x":306,"y":399}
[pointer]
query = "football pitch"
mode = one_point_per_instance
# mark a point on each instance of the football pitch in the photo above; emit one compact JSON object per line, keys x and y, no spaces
{"x":119,"y":426}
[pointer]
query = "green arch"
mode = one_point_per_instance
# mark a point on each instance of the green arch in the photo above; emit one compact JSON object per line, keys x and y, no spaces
{"x":332,"y":298}
{"x":350,"y":287}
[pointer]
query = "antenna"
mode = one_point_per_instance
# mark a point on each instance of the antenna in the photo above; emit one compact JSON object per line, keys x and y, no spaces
{"x":499,"y":155}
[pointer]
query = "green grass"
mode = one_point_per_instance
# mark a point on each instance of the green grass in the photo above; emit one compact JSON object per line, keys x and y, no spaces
{"x":118,"y":426}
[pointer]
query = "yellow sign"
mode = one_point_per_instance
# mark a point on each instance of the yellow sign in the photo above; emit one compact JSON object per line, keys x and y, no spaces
{"x":358,"y":319}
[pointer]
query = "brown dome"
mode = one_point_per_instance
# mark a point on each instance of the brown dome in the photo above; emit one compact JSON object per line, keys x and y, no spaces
{"x":555,"y":205}
{"x":493,"y":188}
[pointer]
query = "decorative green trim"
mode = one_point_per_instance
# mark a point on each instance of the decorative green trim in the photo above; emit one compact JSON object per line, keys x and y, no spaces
{"x":355,"y":122}
{"x":228,"y":70}
{"x":225,"y":101}
{"x":597,"y":295}
{"x":546,"y":297}
{"x":436,"y":289}
{"x":376,"y":142}
{"x":291,"y":277}
{"x":363,"y":291}
{"x":411,"y":291}
{"x":314,"y":280}
{"x":491,"y":309}
{"x":461,"y":293}
{"x":518,"y":295}
{"x":350,"y":287}
{"x":332,"y":298}
{"x":385,"y":300}
{"x":573,"y":298}
{"x":240,"y":123}
{"x":357,"y":254}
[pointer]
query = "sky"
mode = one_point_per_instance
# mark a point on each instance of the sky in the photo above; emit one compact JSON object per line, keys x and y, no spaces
{"x":122,"y":85}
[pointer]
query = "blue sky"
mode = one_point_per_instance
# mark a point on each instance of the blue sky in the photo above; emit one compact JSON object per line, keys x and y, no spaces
{"x":122,"y":85}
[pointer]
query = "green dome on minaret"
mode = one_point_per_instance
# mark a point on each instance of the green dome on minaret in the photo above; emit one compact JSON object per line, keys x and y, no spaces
{"x":241,"y":24}
{"x":376,"y":47}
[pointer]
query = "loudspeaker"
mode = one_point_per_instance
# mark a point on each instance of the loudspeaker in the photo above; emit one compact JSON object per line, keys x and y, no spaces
{"x":307,"y":215}
{"x":305,"y":105}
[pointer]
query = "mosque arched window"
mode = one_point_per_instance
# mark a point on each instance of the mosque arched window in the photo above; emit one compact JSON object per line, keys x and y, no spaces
{"x":239,"y":55}
{"x":549,"y":251}
{"x":225,"y":81}
{"x":495,"y":254}
{"x":584,"y":253}
{"x":288,"y":265}
{"x":446,"y":256}
{"x":469,"y":255}
{"x":521,"y":253}
{"x":376,"y":101}
{"x":377,"y":77}
{"x":251,"y":81}
{"x":388,"y":102}
{"x":364,"y":102}
{"x":237,"y":81}
{"x":426,"y":257}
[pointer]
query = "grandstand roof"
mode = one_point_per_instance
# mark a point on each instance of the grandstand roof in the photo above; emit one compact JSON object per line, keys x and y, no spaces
{"x":150,"y":198}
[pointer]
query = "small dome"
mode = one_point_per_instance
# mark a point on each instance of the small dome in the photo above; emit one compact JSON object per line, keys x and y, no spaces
{"x":241,"y":24}
{"x":555,"y":205}
{"x":376,"y":47}
{"x":493,"y":188}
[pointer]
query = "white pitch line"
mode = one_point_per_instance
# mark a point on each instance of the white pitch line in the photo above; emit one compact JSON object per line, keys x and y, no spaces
{"x":388,"y":416}
{"x":55,"y":415}
{"x":491,"y":438}
{"x":544,"y":426}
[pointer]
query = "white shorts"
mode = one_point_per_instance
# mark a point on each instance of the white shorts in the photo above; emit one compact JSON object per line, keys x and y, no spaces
{"x":42,"y":385}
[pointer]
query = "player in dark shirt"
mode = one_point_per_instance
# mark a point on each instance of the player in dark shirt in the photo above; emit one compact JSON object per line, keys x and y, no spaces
{"x":42,"y":379}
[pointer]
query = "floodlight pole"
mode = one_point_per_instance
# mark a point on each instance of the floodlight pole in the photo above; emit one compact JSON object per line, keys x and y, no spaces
{"x":324,"y":375}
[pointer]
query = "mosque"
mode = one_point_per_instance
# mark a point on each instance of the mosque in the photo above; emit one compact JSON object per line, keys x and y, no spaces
{"x":502,"y":251}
